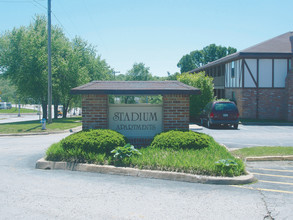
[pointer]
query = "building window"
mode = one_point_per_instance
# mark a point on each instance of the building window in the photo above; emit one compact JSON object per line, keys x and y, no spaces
{"x":233,"y":69}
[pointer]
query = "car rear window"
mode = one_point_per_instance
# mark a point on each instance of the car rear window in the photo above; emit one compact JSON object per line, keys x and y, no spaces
{"x":225,"y":107}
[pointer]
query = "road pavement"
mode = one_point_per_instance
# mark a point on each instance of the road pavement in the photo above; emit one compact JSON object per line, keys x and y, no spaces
{"x":252,"y":135}
{"x":29,"y":193}
{"x":10,"y":118}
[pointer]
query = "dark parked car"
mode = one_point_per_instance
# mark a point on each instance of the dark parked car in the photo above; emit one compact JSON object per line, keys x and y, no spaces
{"x":220,"y":113}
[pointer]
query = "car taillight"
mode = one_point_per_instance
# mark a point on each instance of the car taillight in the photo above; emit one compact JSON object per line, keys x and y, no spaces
{"x":237,"y":115}
{"x":212,"y":115}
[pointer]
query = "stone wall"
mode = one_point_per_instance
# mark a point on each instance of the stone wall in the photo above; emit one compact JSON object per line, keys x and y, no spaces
{"x":176,"y":112}
{"x":94,"y":111}
{"x":262,"y":103}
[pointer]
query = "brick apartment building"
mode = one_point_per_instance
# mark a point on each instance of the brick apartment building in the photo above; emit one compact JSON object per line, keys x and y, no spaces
{"x":259,"y":79}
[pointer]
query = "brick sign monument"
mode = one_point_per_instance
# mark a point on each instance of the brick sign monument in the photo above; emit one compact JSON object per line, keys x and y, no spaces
{"x":138,"y":122}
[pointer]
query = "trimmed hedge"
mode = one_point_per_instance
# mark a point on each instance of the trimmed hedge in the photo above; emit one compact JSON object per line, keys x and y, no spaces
{"x":100,"y":141}
{"x":181,"y":140}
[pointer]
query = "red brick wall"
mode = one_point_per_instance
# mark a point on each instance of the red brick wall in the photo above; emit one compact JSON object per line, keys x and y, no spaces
{"x":289,"y":95}
{"x":271,"y":102}
{"x":94,"y":111}
{"x":176,"y":112}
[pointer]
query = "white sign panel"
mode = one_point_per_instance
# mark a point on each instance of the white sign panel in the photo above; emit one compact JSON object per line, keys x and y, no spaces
{"x":136,"y":121}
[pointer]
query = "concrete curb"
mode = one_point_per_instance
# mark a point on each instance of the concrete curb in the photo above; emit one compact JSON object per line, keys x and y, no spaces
{"x":195,"y":127}
{"x":50,"y":165}
{"x":268,"y":123}
{"x":270,"y":158}
{"x":71,"y":130}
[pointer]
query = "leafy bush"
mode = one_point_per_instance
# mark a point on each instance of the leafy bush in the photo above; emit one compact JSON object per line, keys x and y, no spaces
{"x":123,"y":152}
{"x":181,"y":140}
{"x":122,"y":155}
{"x":206,"y":86}
{"x":55,"y":152}
{"x":100,"y":141}
{"x":229,"y":167}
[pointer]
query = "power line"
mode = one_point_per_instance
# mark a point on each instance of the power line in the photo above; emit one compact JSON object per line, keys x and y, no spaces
{"x":61,"y":24}
{"x":40,"y":4}
{"x":6,"y":1}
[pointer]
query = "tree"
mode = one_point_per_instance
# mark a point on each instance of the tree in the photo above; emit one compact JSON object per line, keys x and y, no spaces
{"x":23,"y":60}
{"x":199,"y":58}
{"x":139,"y":72}
{"x":206,"y":86}
{"x":8,"y":91}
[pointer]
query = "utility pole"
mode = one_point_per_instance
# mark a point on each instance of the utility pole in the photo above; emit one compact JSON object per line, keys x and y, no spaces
{"x":49,"y":66}
{"x":114,"y":72}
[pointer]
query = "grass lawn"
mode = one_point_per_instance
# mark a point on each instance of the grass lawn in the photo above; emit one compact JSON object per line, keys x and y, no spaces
{"x":263,"y":151}
{"x":201,"y":161}
{"x":15,"y":110}
{"x":35,"y":126}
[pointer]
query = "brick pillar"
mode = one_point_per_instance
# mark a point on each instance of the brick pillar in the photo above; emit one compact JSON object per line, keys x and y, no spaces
{"x":176,"y":112}
{"x":94,"y":111}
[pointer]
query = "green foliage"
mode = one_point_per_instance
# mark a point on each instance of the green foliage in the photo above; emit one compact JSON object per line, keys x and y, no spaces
{"x":99,"y":141}
{"x":206,"y":86}
{"x":59,"y":124}
{"x":199,"y":58}
{"x":195,"y":161}
{"x":229,"y":167}
{"x":55,"y":152}
{"x":139,"y":72}
{"x":125,"y":152}
{"x":7,"y":89}
{"x":263,"y":151}
{"x":24,"y":61}
{"x":181,"y":140}
{"x":122,"y":155}
{"x":189,"y":158}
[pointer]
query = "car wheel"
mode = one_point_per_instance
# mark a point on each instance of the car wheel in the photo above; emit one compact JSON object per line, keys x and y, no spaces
{"x":235,"y":126}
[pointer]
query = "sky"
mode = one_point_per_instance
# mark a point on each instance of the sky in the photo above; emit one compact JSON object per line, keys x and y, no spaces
{"x":156,"y":32}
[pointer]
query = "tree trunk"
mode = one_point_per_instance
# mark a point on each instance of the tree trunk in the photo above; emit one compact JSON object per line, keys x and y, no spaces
{"x":65,"y":108}
{"x":45,"y":112}
{"x":55,"y":111}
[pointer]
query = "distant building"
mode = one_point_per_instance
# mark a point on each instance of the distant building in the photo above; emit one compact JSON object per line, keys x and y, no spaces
{"x":259,"y":79}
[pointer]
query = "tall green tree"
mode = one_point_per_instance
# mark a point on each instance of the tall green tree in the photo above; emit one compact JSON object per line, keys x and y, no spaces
{"x":206,"y":86}
{"x":199,"y":58}
{"x":23,"y":60}
{"x":8,"y":91}
{"x":139,"y":72}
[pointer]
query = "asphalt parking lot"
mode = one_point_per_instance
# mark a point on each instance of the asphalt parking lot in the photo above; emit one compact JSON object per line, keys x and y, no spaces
{"x":276,"y":176}
{"x":29,"y":193}
{"x":252,"y":135}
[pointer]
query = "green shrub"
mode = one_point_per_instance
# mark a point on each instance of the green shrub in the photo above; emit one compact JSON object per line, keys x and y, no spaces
{"x":123,"y":152}
{"x":229,"y":167}
{"x":206,"y":86}
{"x":55,"y":152}
{"x":99,"y":141}
{"x":181,"y":140}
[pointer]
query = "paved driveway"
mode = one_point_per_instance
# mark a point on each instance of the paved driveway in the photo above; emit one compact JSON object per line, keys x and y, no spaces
{"x":252,"y":135}
{"x":28,"y":193}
